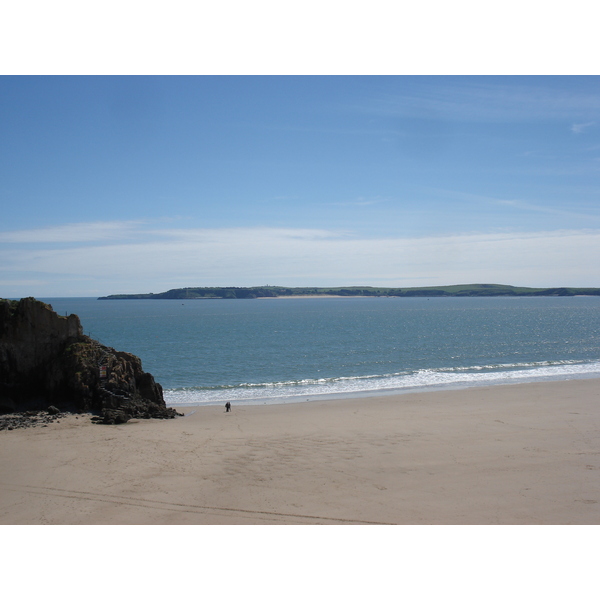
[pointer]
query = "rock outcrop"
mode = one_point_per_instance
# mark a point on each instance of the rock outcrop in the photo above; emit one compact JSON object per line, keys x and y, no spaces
{"x":45,"y":360}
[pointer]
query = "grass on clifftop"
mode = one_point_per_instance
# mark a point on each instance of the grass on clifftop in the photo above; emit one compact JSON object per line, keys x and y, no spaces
{"x":476,"y":289}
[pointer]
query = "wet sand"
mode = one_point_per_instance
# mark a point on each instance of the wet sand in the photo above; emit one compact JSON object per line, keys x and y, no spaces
{"x":511,"y":454}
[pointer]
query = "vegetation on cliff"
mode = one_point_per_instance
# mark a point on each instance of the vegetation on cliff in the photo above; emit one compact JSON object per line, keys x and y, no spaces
{"x":477,"y":289}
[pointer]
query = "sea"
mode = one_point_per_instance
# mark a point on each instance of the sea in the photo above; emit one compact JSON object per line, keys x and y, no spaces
{"x":266,"y":351}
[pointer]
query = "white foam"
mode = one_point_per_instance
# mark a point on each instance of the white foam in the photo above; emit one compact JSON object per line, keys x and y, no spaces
{"x":289,"y":391}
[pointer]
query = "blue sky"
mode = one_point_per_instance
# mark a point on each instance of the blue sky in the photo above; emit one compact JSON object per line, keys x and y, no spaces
{"x":141,"y":184}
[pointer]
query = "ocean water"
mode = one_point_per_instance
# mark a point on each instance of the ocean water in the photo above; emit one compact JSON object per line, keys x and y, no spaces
{"x":289,"y":350}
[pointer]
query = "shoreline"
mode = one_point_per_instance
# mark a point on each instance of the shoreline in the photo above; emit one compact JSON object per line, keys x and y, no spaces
{"x":381,"y":392}
{"x":511,"y":454}
{"x":308,"y":296}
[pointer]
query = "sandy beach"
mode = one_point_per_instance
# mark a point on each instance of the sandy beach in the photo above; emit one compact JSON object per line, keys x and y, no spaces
{"x":511,"y":454}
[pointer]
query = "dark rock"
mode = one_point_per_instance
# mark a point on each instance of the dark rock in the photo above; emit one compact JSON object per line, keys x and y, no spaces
{"x":7,"y":405}
{"x":113,"y":417}
{"x":47,"y":363}
{"x":23,"y":420}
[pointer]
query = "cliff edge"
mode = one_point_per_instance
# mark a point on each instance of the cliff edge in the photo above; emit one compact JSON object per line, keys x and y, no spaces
{"x":45,"y":360}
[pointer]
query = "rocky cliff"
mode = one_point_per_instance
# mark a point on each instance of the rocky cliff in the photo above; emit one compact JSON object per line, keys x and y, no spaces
{"x":45,"y":360}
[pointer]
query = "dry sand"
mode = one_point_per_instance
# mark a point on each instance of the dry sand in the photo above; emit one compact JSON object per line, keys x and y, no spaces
{"x":511,"y":454}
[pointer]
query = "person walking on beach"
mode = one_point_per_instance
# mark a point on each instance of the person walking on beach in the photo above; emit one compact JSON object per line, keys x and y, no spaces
{"x":228,"y":406}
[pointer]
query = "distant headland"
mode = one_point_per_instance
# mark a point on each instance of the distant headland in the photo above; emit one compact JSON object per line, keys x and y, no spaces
{"x":476,"y":289}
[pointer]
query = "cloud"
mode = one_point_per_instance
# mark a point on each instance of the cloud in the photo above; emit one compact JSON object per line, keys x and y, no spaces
{"x":580,"y":127}
{"x":361,"y":201}
{"x":490,"y":99}
{"x":73,"y":232}
{"x":255,"y":256}
{"x":517,"y":204}
{"x":235,"y":234}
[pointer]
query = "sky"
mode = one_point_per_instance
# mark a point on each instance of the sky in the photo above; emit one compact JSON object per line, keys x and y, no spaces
{"x":136,"y":184}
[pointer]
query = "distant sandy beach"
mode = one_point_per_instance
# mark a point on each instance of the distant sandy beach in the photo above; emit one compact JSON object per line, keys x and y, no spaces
{"x":510,"y":454}
{"x":303,"y":296}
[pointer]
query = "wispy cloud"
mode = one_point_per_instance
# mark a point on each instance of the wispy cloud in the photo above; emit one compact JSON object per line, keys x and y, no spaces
{"x":537,"y":154}
{"x":492,"y":99}
{"x":230,"y":234}
{"x":282,"y":198}
{"x":252,"y":256}
{"x":530,"y":207}
{"x":517,"y":204}
{"x":361,"y":201}
{"x":74,"y":232}
{"x":580,"y":127}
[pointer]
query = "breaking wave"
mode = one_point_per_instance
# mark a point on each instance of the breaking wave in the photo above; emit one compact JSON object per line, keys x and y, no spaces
{"x":423,"y":379}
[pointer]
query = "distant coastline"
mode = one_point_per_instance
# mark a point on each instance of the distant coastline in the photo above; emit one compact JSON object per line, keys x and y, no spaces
{"x":234,"y":293}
